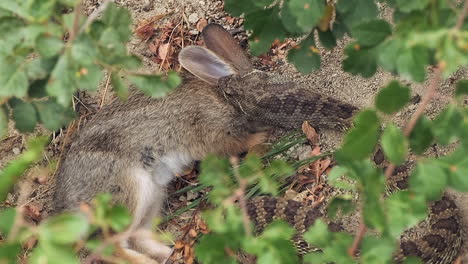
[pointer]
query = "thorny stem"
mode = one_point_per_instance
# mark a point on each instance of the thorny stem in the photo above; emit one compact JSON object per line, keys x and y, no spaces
{"x":240,"y":195}
{"x":76,"y":20}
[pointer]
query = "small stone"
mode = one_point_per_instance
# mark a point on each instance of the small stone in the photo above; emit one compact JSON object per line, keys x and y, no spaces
{"x":193,"y":18}
{"x":193,"y":32}
{"x":16,"y":151}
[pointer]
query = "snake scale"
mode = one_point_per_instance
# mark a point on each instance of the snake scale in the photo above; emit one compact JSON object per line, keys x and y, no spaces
{"x":436,"y":240}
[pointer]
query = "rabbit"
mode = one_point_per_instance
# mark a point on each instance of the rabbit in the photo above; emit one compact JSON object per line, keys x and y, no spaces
{"x":133,"y":149}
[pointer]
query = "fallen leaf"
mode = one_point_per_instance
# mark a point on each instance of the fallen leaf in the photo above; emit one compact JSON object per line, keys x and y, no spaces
{"x":201,"y":24}
{"x":164,"y":50}
{"x":310,"y":133}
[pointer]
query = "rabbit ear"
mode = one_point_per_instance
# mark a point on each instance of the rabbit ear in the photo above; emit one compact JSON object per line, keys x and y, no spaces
{"x":204,"y":64}
{"x":224,"y":45}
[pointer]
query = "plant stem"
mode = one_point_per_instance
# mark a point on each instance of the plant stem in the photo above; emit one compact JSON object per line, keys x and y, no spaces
{"x":240,"y":195}
{"x":462,"y":16}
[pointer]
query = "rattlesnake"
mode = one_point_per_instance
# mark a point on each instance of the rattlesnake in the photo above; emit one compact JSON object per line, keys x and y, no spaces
{"x":436,"y":240}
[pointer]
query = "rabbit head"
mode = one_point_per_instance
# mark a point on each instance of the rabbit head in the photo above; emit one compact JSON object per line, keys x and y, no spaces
{"x":270,"y":98}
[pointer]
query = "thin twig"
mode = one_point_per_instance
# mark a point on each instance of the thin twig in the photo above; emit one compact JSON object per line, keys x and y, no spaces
{"x":76,"y":21}
{"x":94,"y":15}
{"x":240,"y":195}
{"x":357,"y":240}
{"x":462,"y":16}
{"x":105,"y":90}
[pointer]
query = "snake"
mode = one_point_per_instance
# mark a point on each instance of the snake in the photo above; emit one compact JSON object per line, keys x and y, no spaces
{"x":435,"y":240}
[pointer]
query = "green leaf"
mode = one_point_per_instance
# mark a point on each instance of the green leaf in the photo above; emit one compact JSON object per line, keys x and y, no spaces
{"x":211,"y":249}
{"x":266,"y":26}
{"x":3,"y":122}
{"x":119,"y":19}
{"x":10,"y":174}
{"x":371,"y":33}
{"x":377,"y":250}
{"x":462,"y":88}
{"x":24,"y":115}
{"x":408,"y":6}
{"x":307,"y":12}
{"x":428,"y":179}
{"x":342,"y":203}
{"x":327,"y":39}
{"x":305,"y":56}
{"x":360,"y":141}
{"x":412,"y":260}
{"x":447,"y":125}
{"x":61,"y":82}
{"x":49,"y":46}
{"x":88,"y":77}
{"x":318,"y":234}
{"x":394,"y":144}
{"x":152,"y":85}
{"x":84,"y":50}
{"x":119,"y":218}
{"x":9,"y":252}
{"x":119,"y":87}
{"x":7,"y":219}
{"x":13,"y":80}
{"x":53,"y":115}
{"x":53,"y":254}
{"x":392,"y":98}
{"x":388,"y":52}
{"x":355,"y":12}
{"x":412,"y":62}
{"x":237,"y":8}
{"x":457,"y":166}
{"x":404,"y":210}
{"x":41,"y":10}
{"x":421,"y":137}
{"x":362,"y":61}
{"x":39,"y":68}
{"x":63,"y":229}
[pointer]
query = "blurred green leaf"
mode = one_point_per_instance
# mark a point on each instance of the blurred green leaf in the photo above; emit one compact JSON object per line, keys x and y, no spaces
{"x":7,"y":219}
{"x":152,"y":85}
{"x":394,"y":144}
{"x":63,"y":229}
{"x":421,"y":137}
{"x":119,"y":87}
{"x":428,"y":179}
{"x":318,"y":234}
{"x":456,"y":165}
{"x":53,"y":254}
{"x":13,"y":80}
{"x":40,"y":68}
{"x":408,"y":6}
{"x":446,"y":126}
{"x":25,"y":116}
{"x":305,"y":56}
{"x":362,"y":61}
{"x":392,"y":98}
{"x":412,"y":63}
{"x":119,"y":218}
{"x":404,"y":210}
{"x":341,"y":203}
{"x":10,"y":174}
{"x":377,"y":250}
{"x":355,"y":12}
{"x":88,"y":77}
{"x":40,"y":10}
{"x":266,"y":26}
{"x":3,"y":122}
{"x":372,"y":32}
{"x":327,"y":39}
{"x":49,"y":46}
{"x":211,"y":249}
{"x":307,"y":13}
{"x":118,"y":18}
{"x":9,"y":252}
{"x":462,"y":88}
{"x":53,"y":115}
{"x":61,"y":82}
{"x":360,"y":141}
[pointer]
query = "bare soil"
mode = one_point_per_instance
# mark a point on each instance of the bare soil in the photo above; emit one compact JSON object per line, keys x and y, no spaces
{"x":330,"y":80}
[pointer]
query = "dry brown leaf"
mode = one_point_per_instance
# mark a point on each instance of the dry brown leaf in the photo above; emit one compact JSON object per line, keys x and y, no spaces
{"x":179,"y":244}
{"x":310,"y":133}
{"x":327,"y":20}
{"x":164,"y":50}
{"x":201,"y":24}
{"x":193,"y":233}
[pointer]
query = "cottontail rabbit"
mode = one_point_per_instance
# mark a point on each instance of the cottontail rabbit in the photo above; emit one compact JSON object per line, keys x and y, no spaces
{"x":133,"y":149}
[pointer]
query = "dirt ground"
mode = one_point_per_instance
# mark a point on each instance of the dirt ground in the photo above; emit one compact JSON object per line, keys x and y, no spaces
{"x":330,"y":80}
